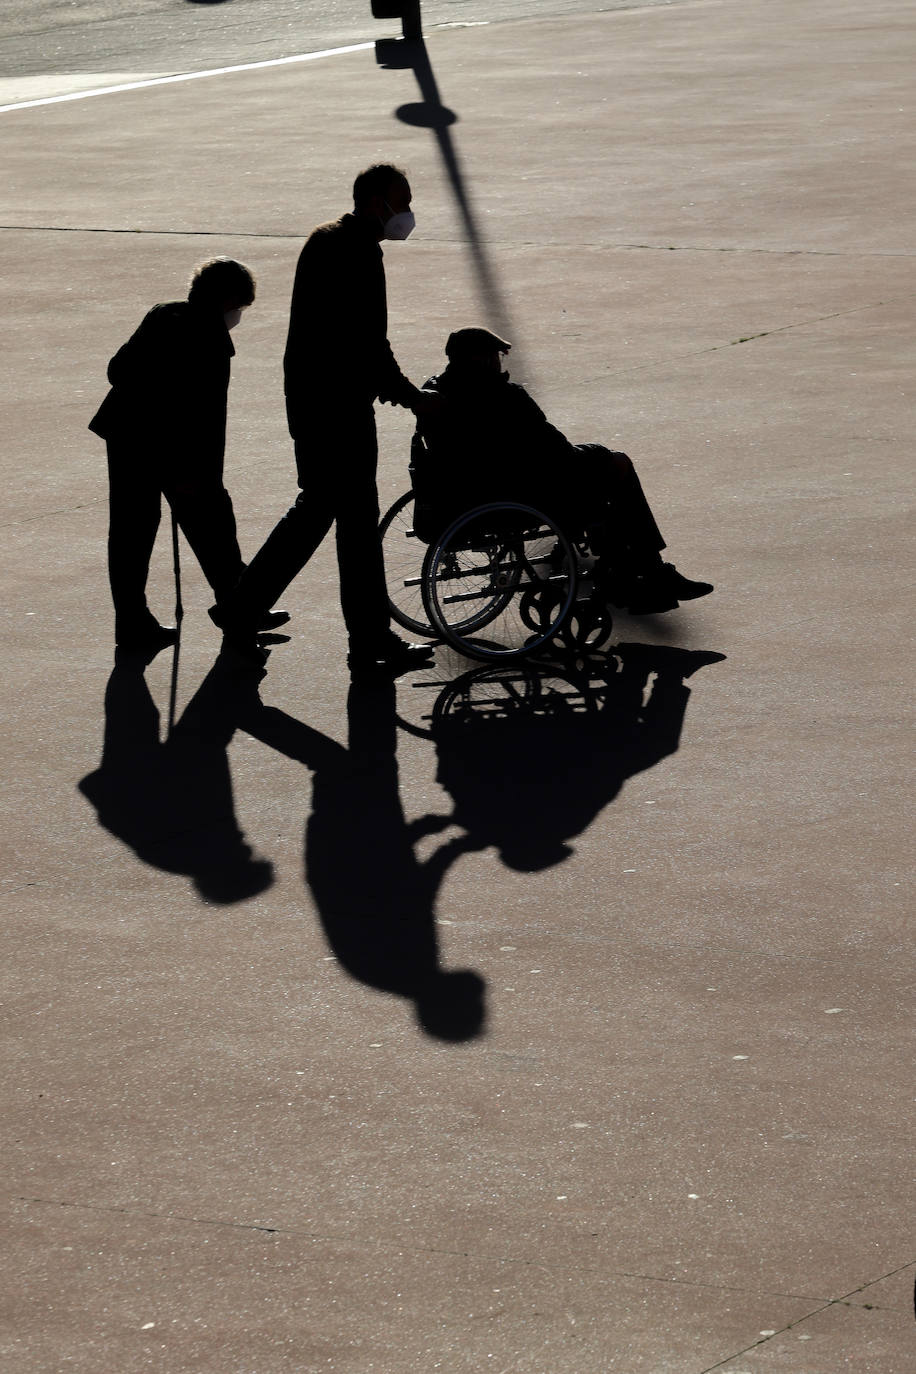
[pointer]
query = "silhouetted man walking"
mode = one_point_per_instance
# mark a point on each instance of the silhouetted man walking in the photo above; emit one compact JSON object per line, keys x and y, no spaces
{"x":338,"y":362}
{"x":164,"y":423}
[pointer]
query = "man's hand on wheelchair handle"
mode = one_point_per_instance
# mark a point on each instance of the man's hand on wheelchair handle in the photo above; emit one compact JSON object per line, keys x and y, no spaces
{"x":425,"y":404}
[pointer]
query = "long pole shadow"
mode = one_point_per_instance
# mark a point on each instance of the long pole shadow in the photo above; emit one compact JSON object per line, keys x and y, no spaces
{"x":430,"y":113}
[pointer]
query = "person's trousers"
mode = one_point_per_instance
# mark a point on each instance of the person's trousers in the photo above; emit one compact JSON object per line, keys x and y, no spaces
{"x":337,"y":469}
{"x":204,"y":514}
{"x":615,"y":495}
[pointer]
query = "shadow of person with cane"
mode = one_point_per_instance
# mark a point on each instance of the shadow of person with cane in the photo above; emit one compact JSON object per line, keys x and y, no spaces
{"x":375,"y":898}
{"x":171,"y":801}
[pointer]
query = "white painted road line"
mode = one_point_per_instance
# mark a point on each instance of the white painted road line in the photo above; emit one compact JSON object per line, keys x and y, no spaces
{"x":184,"y":76}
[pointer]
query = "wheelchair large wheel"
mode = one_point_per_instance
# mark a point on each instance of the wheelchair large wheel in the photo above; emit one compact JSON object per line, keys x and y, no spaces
{"x":500,"y":583}
{"x":521,"y":690}
{"x":403,"y":553}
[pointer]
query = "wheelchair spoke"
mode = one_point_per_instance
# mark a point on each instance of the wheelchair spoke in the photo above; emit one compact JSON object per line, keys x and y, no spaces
{"x":500,"y":582}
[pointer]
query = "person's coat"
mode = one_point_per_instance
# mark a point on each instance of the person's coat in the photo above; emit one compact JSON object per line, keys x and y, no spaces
{"x":337,"y":352}
{"x":169,"y":388}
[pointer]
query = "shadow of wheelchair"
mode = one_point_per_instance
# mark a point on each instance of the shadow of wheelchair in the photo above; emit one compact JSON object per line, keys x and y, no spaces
{"x":531,"y":753}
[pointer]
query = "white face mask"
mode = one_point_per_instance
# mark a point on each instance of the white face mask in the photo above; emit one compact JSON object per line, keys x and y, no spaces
{"x":232,"y":317}
{"x":399,"y":226}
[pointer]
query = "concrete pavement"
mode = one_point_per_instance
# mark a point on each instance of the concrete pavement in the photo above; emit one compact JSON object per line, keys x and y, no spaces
{"x":603,"y":1064}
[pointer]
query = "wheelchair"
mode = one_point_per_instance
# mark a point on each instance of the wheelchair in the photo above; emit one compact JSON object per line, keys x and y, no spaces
{"x":497,"y":581}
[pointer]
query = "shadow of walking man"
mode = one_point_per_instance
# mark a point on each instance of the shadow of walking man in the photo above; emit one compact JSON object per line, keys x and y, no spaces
{"x":375,"y":898}
{"x":171,"y":801}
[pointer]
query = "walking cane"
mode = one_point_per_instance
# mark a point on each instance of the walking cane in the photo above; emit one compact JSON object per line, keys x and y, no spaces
{"x":179,"y":609}
{"x":179,"y":613}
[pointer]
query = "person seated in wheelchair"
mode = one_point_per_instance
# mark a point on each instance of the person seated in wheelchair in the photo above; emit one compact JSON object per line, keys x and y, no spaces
{"x":488,"y":440}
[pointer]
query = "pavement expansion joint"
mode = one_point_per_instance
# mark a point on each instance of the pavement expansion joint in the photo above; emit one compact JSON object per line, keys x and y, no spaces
{"x":824,"y":1307}
{"x":750,"y":248}
{"x":666,"y":361}
{"x":269,"y":235}
{"x":146,"y":233}
{"x":822,"y":1303}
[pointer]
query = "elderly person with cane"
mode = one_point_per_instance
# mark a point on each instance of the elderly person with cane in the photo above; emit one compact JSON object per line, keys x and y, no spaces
{"x":164,"y":424}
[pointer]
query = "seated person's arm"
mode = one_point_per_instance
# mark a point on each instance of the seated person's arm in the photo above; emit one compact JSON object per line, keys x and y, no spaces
{"x":534,"y":430}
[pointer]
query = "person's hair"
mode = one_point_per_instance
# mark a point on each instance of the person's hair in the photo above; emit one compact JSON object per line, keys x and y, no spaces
{"x":375,"y":181}
{"x":221,"y":280}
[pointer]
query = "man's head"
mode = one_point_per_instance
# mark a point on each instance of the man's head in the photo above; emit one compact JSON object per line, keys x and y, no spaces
{"x":475,"y":347}
{"x":224,"y":286}
{"x":381,"y":195}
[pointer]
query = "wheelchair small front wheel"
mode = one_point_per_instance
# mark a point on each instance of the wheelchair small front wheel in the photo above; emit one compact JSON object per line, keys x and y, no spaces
{"x":500,"y":583}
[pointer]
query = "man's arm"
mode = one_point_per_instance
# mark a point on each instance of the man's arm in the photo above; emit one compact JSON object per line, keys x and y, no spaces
{"x":423,"y":403}
{"x":394,"y":387}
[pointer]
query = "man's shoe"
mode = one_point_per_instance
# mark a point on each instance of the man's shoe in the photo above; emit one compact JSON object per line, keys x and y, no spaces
{"x":265,"y":621}
{"x":243,"y":648}
{"x":393,"y":656}
{"x":144,"y":637}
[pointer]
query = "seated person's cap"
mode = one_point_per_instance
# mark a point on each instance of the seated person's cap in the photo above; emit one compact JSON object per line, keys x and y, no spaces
{"x":474,"y":340}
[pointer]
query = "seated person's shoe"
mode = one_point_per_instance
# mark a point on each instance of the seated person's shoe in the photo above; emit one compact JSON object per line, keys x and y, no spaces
{"x":649,"y":600}
{"x":682,"y":587}
{"x":394,"y":655}
{"x":659,"y":589}
{"x":644,"y":593}
{"x":144,"y":636}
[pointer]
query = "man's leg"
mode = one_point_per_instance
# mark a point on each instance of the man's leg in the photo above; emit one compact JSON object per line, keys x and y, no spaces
{"x":374,"y":646}
{"x":363,"y":591}
{"x":291,"y":542}
{"x":336,"y":467}
{"x":134,"y":514}
{"x":207,"y":520}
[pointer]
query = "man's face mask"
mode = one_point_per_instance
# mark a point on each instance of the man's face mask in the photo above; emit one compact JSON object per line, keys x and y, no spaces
{"x":400,"y":225}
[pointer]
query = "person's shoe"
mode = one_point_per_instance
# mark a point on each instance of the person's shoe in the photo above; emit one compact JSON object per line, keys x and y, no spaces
{"x":243,"y":648}
{"x":265,"y":621}
{"x":682,"y":587}
{"x":145,"y":636}
{"x":647,"y":595}
{"x":272,"y":620}
{"x":242,"y":634}
{"x":661,"y":589}
{"x":638,"y":593}
{"x":392,"y":657}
